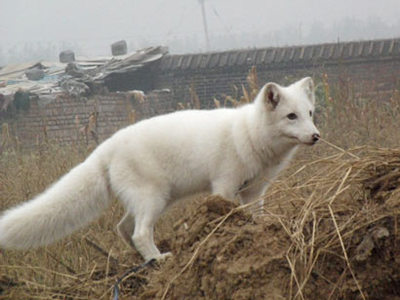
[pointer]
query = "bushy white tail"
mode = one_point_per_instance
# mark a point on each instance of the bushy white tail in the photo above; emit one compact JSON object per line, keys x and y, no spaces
{"x":69,"y":204}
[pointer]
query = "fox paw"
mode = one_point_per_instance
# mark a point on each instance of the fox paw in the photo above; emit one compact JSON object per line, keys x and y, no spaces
{"x":163,"y":256}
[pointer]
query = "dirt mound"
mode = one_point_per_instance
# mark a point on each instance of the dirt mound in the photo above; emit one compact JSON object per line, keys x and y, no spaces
{"x":220,"y":253}
{"x":333,"y":235}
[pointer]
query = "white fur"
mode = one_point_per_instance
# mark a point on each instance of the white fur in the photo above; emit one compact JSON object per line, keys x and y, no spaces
{"x":230,"y":152}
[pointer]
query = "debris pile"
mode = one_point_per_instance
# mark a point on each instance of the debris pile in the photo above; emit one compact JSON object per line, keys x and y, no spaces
{"x":77,"y":77}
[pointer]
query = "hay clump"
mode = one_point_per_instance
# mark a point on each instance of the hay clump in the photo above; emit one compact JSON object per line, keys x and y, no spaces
{"x":329,"y":230}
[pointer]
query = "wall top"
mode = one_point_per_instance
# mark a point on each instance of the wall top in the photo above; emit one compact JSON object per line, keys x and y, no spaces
{"x":386,"y":48}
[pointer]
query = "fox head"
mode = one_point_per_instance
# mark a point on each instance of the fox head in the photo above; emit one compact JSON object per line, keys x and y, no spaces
{"x":288,"y":111}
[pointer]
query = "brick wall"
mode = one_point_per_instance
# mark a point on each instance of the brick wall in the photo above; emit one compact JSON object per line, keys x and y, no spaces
{"x":370,"y":67}
{"x":67,"y":120}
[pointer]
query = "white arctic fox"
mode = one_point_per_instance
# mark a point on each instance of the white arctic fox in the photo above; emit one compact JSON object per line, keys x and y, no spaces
{"x":150,"y":164}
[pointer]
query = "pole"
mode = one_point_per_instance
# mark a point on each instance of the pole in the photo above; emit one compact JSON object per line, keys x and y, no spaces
{"x":203,"y":12}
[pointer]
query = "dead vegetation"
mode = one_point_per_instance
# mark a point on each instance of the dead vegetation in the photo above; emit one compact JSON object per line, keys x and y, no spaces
{"x":329,"y":229}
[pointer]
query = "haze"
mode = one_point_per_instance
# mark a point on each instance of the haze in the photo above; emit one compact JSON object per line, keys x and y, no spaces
{"x":40,"y":29}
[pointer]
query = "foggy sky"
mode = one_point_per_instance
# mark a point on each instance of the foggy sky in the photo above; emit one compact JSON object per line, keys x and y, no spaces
{"x":91,"y":25}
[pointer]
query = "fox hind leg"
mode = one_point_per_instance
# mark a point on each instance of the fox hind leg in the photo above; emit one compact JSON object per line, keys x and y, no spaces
{"x":144,"y":206}
{"x":143,"y":236}
{"x":125,"y":229}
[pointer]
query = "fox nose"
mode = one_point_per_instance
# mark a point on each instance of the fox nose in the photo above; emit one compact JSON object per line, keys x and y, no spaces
{"x":315,"y":137}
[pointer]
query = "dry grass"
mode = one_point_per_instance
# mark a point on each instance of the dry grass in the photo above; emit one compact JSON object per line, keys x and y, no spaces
{"x":328,"y":231}
{"x":340,"y":200}
{"x":333,"y":197}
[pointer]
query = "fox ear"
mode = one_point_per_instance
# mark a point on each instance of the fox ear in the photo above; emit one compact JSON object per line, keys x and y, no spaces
{"x":271,"y":95}
{"x":307,"y":84}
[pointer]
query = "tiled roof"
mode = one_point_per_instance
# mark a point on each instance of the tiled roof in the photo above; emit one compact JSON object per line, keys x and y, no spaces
{"x":278,"y":55}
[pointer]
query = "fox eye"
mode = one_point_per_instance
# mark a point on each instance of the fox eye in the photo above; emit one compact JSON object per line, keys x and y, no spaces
{"x":310,"y":113}
{"x":292,"y":116}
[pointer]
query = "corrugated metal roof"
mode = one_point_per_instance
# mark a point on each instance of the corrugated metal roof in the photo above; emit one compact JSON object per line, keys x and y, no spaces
{"x":13,"y":77}
{"x":278,"y":55}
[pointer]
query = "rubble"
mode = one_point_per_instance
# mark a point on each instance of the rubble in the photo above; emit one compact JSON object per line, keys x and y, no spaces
{"x":73,"y":76}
